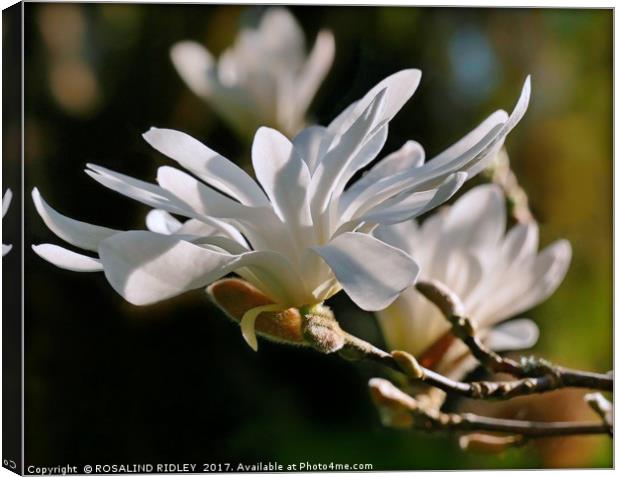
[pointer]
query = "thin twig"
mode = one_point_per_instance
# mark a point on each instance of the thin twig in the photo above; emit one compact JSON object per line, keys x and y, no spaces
{"x":537,"y":375}
{"x":501,"y":173}
{"x":394,"y":404}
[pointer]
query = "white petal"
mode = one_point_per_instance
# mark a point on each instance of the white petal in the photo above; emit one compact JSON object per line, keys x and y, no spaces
{"x":149,"y":194}
{"x":314,"y":70}
{"x":401,"y":235}
{"x":284,"y":176}
{"x":334,"y":164}
{"x":6,"y":201}
{"x":371,"y":272}
{"x":202,"y":200}
{"x":6,"y":249}
{"x":162,"y":222}
{"x":527,"y":284}
{"x":477,"y":219}
{"x":192,"y":61}
{"x":548,"y":272}
{"x":410,"y":205}
{"x":207,"y":164}
{"x":513,"y":335}
{"x":520,"y":243}
{"x":399,"y":88}
{"x":431,"y":173}
{"x":282,"y":36}
{"x":63,"y":258}
{"x":409,"y":156}
{"x":145,"y":268}
{"x":469,"y":141}
{"x":311,"y":144}
{"x":76,"y":233}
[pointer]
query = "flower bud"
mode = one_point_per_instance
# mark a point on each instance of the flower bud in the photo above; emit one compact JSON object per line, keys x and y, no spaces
{"x":235,"y":297}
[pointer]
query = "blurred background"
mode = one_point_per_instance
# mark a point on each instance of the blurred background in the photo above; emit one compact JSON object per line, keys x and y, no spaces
{"x":108,"y":382}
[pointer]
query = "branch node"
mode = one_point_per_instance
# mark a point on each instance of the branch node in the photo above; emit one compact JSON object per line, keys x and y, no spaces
{"x":408,"y":364}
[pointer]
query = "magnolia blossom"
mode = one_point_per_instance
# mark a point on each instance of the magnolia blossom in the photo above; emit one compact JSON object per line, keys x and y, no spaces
{"x":6,"y":201}
{"x":298,"y":234}
{"x":497,"y":275}
{"x":265,"y":78}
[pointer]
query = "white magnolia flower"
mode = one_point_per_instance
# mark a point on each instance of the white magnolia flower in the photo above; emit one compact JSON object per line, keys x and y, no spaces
{"x":6,"y":201}
{"x":265,"y":78}
{"x":497,"y":275}
{"x":299,"y":234}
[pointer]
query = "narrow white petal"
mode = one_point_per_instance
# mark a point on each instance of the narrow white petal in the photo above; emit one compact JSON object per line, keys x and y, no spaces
{"x":335,"y":162}
{"x":311,"y":144}
{"x":410,"y":205}
{"x":76,"y":233}
{"x":201,"y":199}
{"x":149,"y":194}
{"x":548,"y":272}
{"x":145,"y":267}
{"x":409,"y":156}
{"x":520,"y":243}
{"x":477,"y":219}
{"x":6,"y":201}
{"x":402,"y":235}
{"x":433,"y":172}
{"x":162,"y":222}
{"x":193,"y":61}
{"x":314,"y":70}
{"x":63,"y":258}
{"x":399,"y":88}
{"x":513,"y":335}
{"x":284,"y":176}
{"x":6,"y":249}
{"x":371,"y":272}
{"x":207,"y":164}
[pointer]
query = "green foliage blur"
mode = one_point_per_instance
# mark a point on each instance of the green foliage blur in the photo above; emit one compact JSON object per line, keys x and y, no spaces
{"x":111,"y":383}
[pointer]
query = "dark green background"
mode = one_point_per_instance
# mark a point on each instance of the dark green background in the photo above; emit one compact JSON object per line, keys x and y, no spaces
{"x":108,"y":382}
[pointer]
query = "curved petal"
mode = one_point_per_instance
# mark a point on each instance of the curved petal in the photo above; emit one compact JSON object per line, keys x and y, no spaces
{"x":477,"y":219}
{"x":207,"y":164}
{"x":513,"y":335}
{"x":407,"y":206}
{"x":63,"y":258}
{"x":335,"y":162}
{"x":76,"y":233}
{"x":284,"y":176}
{"x":431,"y":173}
{"x":149,"y":194}
{"x":402,"y":235}
{"x":314,"y":70}
{"x":145,"y":268}
{"x":203,"y":200}
{"x":162,"y":222}
{"x":371,"y":272}
{"x":311,"y":144}
{"x":399,"y":88}
{"x":6,"y":201}
{"x":6,"y":249}
{"x":409,"y":156}
{"x":192,"y":61}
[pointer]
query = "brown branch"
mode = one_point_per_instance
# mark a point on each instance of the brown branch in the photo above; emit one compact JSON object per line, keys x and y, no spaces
{"x":401,"y":410}
{"x":537,"y":375}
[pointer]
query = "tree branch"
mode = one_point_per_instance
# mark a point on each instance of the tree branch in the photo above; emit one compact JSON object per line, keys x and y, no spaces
{"x":401,"y":410}
{"x":537,"y":375}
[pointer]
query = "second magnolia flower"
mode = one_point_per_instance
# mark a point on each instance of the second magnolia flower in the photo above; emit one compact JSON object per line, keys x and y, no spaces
{"x":300,"y":234}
